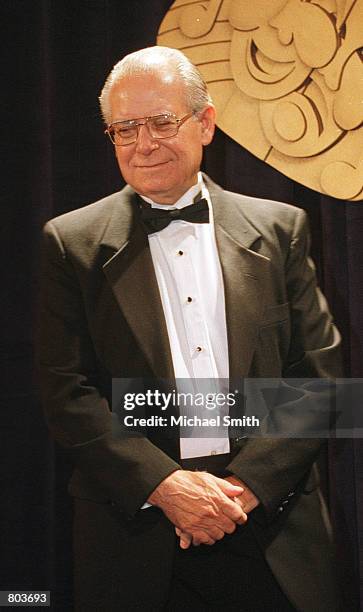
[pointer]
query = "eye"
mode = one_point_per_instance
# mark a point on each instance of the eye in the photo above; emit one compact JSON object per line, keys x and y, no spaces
{"x":124,"y":131}
{"x":164,"y":123}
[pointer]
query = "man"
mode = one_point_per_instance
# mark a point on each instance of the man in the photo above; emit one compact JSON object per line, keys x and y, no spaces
{"x":163,"y":524}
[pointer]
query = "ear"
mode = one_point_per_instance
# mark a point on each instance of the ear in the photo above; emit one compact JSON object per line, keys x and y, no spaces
{"x":207,"y":118}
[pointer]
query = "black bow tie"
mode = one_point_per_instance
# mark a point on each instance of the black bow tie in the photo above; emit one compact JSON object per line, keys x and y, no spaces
{"x":156,"y":219}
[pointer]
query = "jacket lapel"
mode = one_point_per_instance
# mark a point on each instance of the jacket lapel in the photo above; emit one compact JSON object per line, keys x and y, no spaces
{"x":244,"y":274}
{"x":131,"y":274}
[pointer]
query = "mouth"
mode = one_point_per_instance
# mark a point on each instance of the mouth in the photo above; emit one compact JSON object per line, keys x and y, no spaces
{"x":143,"y":166}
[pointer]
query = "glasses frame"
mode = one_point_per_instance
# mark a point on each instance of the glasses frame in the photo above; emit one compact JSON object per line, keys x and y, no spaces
{"x":144,"y":121}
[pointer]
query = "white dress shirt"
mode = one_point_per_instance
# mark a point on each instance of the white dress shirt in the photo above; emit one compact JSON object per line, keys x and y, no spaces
{"x":190,"y":281}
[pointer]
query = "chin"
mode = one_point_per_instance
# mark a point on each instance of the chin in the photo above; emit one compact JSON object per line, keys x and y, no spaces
{"x":153,"y":188}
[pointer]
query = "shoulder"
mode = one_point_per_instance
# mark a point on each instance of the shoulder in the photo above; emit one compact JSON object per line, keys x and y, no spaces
{"x":87,"y":225}
{"x":263,"y":213}
{"x":88,"y":216}
{"x":266,"y":216}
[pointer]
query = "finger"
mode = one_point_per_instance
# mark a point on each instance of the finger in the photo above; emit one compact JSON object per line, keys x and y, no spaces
{"x":220,"y":521}
{"x":230,"y":527}
{"x":244,"y":508}
{"x":184,"y":543}
{"x":228,"y":488}
{"x":232,"y":509}
{"x":243,"y":519}
{"x":185,"y":540}
{"x":209,"y":542}
{"x":201,"y":537}
{"x":216,"y":534}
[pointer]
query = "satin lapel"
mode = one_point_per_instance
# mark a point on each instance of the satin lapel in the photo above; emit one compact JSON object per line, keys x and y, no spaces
{"x":130,"y":272}
{"x":244,"y":273}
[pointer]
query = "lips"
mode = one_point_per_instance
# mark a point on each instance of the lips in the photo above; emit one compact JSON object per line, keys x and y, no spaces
{"x":152,"y":165}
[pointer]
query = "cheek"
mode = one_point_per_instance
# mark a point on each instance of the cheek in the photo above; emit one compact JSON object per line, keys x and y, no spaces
{"x":192,"y":157}
{"x":122,"y":161}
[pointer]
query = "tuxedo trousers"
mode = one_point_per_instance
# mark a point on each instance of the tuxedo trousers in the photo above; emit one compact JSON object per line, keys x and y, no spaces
{"x":231,"y":575}
{"x":138,"y":564}
{"x":140,"y":567}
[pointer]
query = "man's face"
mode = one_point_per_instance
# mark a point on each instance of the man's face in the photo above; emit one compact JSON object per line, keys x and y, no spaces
{"x":162,"y":170}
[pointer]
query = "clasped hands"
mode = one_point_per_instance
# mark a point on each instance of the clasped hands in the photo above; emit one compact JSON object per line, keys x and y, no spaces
{"x":203,"y":507}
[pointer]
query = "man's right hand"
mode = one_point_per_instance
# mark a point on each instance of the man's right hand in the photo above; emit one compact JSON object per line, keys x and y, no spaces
{"x":200,"y":505}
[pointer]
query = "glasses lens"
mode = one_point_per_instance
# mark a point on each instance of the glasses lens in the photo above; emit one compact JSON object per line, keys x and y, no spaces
{"x":163,"y":126}
{"x":160,"y":126}
{"x":123,"y":134}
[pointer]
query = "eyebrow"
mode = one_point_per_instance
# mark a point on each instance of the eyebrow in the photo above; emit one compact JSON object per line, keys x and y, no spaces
{"x":166,"y":114}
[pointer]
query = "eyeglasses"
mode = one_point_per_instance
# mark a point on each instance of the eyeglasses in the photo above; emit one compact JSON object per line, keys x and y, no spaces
{"x":166,"y":125}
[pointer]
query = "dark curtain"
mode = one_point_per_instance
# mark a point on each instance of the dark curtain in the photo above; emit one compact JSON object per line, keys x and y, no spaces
{"x":55,"y":56}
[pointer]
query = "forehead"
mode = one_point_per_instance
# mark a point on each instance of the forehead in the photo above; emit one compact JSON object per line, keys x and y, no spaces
{"x":144,"y":94}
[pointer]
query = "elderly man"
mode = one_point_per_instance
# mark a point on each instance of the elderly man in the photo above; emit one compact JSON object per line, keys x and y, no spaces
{"x":223,"y":288}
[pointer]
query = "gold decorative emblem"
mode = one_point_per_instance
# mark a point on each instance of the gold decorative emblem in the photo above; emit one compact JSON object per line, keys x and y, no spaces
{"x":286,"y":77}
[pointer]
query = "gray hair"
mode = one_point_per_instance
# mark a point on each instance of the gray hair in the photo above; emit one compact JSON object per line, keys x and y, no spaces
{"x":150,"y":60}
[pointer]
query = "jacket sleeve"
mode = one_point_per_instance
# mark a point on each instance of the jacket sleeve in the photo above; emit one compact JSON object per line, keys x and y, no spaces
{"x":76,"y":409}
{"x":277,"y":469}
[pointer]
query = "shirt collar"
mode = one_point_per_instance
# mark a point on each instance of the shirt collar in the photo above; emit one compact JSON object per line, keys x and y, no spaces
{"x":185,"y":200}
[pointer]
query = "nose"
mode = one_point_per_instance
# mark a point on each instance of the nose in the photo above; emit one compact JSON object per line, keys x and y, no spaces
{"x":145,"y":143}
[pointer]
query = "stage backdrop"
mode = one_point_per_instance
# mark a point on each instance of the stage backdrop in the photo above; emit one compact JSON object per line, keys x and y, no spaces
{"x":55,"y":56}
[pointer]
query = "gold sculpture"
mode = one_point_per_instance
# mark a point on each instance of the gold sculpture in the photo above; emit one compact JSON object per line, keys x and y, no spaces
{"x":286,"y":77}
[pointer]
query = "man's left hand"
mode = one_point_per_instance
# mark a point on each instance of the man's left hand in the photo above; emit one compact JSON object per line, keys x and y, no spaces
{"x":248,"y":501}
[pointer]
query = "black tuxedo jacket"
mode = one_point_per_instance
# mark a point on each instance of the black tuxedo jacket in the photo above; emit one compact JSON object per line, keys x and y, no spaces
{"x":102,"y":317}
